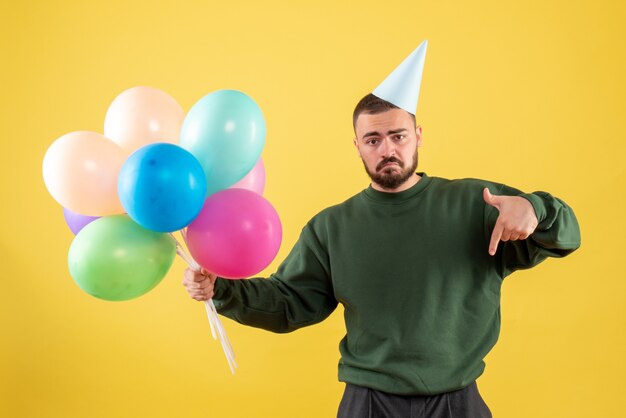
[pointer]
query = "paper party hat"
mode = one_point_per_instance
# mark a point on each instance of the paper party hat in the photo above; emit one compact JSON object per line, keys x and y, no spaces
{"x":402,"y":86}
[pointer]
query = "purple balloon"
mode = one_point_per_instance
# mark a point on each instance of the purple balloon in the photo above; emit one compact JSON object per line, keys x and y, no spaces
{"x":76,"y":221}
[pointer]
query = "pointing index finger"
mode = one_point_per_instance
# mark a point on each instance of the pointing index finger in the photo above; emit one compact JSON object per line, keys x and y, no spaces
{"x":495,"y":237}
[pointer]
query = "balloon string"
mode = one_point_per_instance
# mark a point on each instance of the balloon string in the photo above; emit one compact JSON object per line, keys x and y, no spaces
{"x":209,"y":315}
{"x":214,"y":321}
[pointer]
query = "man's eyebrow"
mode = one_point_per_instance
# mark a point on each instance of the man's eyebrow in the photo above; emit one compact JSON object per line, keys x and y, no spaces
{"x":375,"y":133}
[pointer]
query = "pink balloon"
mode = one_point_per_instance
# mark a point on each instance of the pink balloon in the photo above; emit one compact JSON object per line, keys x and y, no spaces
{"x":237,"y":234}
{"x":254,"y":180}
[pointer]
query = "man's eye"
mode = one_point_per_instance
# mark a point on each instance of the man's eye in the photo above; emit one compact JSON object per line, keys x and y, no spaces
{"x":399,"y":137}
{"x":372,"y":141}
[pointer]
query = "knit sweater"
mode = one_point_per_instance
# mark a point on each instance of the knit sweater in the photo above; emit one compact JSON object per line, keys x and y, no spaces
{"x":421,"y":294}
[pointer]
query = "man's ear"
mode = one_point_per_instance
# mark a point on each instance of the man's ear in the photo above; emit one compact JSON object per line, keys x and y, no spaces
{"x":418,"y":134}
{"x":356,"y":145}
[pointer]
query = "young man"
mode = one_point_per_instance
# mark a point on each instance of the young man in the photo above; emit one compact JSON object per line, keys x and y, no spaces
{"x":417,"y":262}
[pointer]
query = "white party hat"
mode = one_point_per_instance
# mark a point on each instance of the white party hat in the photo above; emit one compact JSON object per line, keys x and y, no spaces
{"x":402,"y":86}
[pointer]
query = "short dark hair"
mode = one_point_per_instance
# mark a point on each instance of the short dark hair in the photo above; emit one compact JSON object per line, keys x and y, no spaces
{"x":373,"y":105}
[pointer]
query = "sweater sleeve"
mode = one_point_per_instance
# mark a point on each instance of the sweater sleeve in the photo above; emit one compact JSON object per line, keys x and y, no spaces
{"x":556,"y":235}
{"x":300,"y":293}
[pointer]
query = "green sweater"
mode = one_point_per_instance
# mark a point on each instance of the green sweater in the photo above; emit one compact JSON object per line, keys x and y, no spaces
{"x":421,"y":294}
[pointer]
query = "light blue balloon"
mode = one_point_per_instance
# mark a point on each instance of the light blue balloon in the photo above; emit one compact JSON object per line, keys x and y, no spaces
{"x":225,"y":131}
{"x":162,"y":187}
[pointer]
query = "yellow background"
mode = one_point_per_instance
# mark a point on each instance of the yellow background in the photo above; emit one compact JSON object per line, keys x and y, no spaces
{"x":531,"y":94}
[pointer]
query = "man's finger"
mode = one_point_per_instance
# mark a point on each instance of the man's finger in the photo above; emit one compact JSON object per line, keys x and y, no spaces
{"x":189,"y":274}
{"x":200,"y":298}
{"x":495,"y":238}
{"x":491,"y":199}
{"x":198,"y":277}
{"x":187,"y":277}
{"x":203,"y":284}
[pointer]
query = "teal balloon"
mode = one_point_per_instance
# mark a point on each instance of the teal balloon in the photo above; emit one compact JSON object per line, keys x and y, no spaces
{"x":225,"y":131}
{"x":113,"y":258}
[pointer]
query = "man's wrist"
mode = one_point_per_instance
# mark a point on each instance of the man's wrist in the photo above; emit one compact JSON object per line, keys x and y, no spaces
{"x":221,"y":292}
{"x":538,"y":205}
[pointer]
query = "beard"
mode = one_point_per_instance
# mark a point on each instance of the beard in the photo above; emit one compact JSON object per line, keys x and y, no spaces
{"x":389,"y":178}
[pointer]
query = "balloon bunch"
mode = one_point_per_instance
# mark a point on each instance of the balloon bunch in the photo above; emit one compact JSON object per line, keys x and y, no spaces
{"x":156,"y":171}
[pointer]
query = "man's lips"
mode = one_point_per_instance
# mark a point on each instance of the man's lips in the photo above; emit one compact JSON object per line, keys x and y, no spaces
{"x":387,"y":164}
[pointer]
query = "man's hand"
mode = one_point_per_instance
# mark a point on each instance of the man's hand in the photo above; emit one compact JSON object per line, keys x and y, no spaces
{"x":517,"y":219}
{"x":199,"y":284}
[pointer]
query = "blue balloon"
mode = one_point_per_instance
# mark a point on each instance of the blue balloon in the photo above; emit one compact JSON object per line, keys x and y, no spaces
{"x":162,"y":187}
{"x":225,"y":131}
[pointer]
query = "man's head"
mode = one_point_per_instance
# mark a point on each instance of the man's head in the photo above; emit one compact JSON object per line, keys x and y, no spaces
{"x":386,"y":138}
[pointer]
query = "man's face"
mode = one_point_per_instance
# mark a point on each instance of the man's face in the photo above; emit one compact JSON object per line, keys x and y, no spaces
{"x":387,"y":143}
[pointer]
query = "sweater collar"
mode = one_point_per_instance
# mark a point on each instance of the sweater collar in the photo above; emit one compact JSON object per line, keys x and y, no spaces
{"x":399,"y":197}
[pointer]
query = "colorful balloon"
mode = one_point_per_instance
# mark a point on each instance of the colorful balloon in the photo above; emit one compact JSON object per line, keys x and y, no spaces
{"x":236,"y":235}
{"x":254,"y":180}
{"x":225,"y":131}
{"x":80,"y":170}
{"x":162,"y":187}
{"x":115,"y":259}
{"x":143,"y":115}
{"x":76,"y":221}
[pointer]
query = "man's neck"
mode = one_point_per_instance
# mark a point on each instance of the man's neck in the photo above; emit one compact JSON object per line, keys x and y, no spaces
{"x":410,"y":182}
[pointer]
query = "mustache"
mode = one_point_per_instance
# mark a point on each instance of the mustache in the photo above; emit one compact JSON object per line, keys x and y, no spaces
{"x":389,"y":160}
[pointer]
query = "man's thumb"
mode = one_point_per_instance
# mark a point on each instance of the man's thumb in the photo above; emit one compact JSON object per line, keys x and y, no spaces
{"x":489,"y":198}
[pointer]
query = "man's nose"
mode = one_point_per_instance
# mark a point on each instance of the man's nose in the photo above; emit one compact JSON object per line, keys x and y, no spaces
{"x":387,"y":147}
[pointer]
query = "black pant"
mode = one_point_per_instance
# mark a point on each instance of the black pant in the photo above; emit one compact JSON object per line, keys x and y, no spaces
{"x":360,"y":402}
